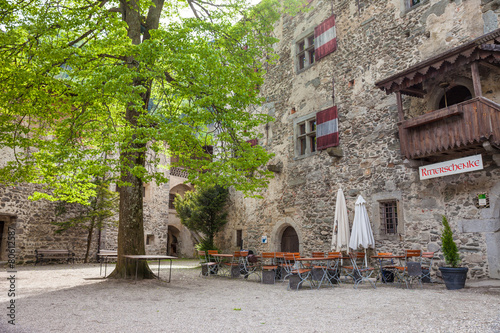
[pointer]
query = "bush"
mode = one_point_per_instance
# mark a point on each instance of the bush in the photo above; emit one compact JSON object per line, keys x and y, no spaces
{"x":449,"y":247}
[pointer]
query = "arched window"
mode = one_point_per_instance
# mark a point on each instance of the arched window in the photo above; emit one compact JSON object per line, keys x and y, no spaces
{"x":455,"y":95}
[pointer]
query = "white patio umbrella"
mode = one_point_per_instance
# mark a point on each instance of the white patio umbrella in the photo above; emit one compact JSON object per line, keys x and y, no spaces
{"x":340,"y":239}
{"x":362,"y":234}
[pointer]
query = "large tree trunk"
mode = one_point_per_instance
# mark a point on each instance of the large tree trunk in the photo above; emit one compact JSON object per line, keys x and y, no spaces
{"x":131,"y":225}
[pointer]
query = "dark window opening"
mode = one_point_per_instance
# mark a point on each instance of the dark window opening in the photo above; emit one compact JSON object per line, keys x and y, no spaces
{"x":171,"y":201}
{"x":389,"y":216}
{"x":150,"y":239}
{"x":313,"y":143}
{"x":239,"y":239}
{"x":455,"y":95}
{"x":302,"y":146}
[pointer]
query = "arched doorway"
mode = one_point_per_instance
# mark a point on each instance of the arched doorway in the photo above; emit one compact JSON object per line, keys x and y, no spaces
{"x":173,"y":241}
{"x":455,"y":95}
{"x":289,"y":240}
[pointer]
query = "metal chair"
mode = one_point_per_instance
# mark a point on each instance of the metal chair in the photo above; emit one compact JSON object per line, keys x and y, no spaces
{"x":387,"y":267}
{"x":207,"y":267}
{"x":301,"y":273}
{"x":427,"y":260}
{"x":412,"y":257}
{"x":269,"y":268}
{"x":358,"y":271}
{"x":334,"y":267}
{"x":249,"y":264}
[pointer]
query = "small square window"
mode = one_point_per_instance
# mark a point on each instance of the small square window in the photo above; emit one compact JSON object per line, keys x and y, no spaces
{"x":150,"y":239}
{"x":389,"y":217}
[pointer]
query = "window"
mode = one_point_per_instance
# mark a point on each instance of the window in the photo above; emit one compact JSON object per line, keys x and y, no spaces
{"x":305,"y":52}
{"x":150,"y":239}
{"x":171,"y":199}
{"x":389,"y":217}
{"x":407,"y":5}
{"x":239,"y":238}
{"x":307,"y":137}
{"x":305,"y":134}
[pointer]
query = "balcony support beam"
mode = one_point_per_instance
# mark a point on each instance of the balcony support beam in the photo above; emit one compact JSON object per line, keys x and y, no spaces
{"x":476,"y":81}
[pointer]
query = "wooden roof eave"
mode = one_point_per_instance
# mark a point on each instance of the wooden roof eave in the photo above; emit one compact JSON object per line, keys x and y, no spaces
{"x":458,"y":56}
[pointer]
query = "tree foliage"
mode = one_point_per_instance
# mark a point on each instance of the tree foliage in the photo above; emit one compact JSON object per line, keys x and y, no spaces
{"x":101,"y":207}
{"x":204,"y":211}
{"x":108,"y":87}
{"x":449,"y":247}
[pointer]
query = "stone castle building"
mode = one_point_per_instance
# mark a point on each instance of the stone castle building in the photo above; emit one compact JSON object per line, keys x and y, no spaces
{"x":32,"y":221}
{"x":414,"y":83}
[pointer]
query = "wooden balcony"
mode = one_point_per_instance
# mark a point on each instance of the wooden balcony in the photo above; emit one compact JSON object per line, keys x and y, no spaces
{"x":458,"y":128}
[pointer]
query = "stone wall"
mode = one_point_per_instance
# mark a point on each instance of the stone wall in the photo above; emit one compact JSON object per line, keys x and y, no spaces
{"x":33,"y":227}
{"x":375,"y":40}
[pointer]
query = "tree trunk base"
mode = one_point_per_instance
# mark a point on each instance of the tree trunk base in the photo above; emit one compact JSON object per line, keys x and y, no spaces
{"x":128,"y":271}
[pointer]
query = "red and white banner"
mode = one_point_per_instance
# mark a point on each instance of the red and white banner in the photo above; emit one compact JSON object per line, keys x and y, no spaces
{"x":325,"y":38}
{"x":327,"y":128}
{"x":460,"y":165}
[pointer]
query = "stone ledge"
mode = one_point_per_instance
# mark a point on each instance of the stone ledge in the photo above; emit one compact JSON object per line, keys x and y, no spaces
{"x":491,"y":225}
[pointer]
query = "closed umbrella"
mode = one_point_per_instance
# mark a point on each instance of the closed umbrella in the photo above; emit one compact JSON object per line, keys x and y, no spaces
{"x":362,"y":234}
{"x":340,"y":239}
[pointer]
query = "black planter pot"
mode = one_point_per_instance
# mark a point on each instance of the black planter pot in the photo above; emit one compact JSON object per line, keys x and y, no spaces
{"x":454,"y":278}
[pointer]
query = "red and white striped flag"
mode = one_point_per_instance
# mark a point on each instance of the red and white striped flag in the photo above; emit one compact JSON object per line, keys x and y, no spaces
{"x":325,"y":38}
{"x":327,"y":128}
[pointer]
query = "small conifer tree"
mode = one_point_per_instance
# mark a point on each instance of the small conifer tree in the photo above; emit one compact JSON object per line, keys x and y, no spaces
{"x":449,"y":247}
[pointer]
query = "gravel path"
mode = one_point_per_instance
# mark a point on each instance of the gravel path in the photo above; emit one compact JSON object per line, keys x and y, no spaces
{"x":71,"y":298}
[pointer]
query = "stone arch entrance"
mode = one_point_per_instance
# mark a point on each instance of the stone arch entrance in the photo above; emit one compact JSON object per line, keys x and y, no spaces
{"x":289,"y":240}
{"x":173,"y":244}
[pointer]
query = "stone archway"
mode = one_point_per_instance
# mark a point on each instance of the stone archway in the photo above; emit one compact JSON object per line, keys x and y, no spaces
{"x":280,"y":230}
{"x":173,"y":241}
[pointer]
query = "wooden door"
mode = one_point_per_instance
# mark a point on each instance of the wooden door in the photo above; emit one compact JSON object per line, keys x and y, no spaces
{"x":289,"y":240}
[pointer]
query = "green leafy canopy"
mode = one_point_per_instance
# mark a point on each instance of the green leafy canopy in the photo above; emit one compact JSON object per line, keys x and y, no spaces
{"x":112,"y":87}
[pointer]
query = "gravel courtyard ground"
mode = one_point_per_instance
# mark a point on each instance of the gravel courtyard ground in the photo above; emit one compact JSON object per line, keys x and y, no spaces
{"x":72,"y":298}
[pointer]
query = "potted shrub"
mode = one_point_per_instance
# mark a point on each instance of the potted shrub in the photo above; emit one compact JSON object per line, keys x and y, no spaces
{"x":454,"y":276}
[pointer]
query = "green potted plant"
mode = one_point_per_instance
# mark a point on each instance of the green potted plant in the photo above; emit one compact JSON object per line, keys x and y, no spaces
{"x":453,"y":276}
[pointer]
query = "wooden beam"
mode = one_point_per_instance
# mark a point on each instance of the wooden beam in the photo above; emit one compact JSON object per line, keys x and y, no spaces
{"x":399,"y":101}
{"x":414,"y":92}
{"x":476,"y":81}
{"x":488,"y":65}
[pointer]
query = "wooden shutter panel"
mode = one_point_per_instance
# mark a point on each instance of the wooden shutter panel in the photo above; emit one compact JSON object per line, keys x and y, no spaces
{"x":253,"y":142}
{"x":325,"y":38}
{"x":327,"y":129}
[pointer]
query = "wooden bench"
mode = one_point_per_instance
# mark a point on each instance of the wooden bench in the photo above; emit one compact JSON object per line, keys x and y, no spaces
{"x":47,"y":255}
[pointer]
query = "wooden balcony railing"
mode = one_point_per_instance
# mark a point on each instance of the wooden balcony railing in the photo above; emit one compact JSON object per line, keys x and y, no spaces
{"x":456,"y":128}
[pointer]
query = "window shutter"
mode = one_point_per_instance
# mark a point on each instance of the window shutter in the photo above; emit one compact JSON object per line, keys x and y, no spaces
{"x":253,"y":142}
{"x":327,"y":128}
{"x":325,"y":38}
